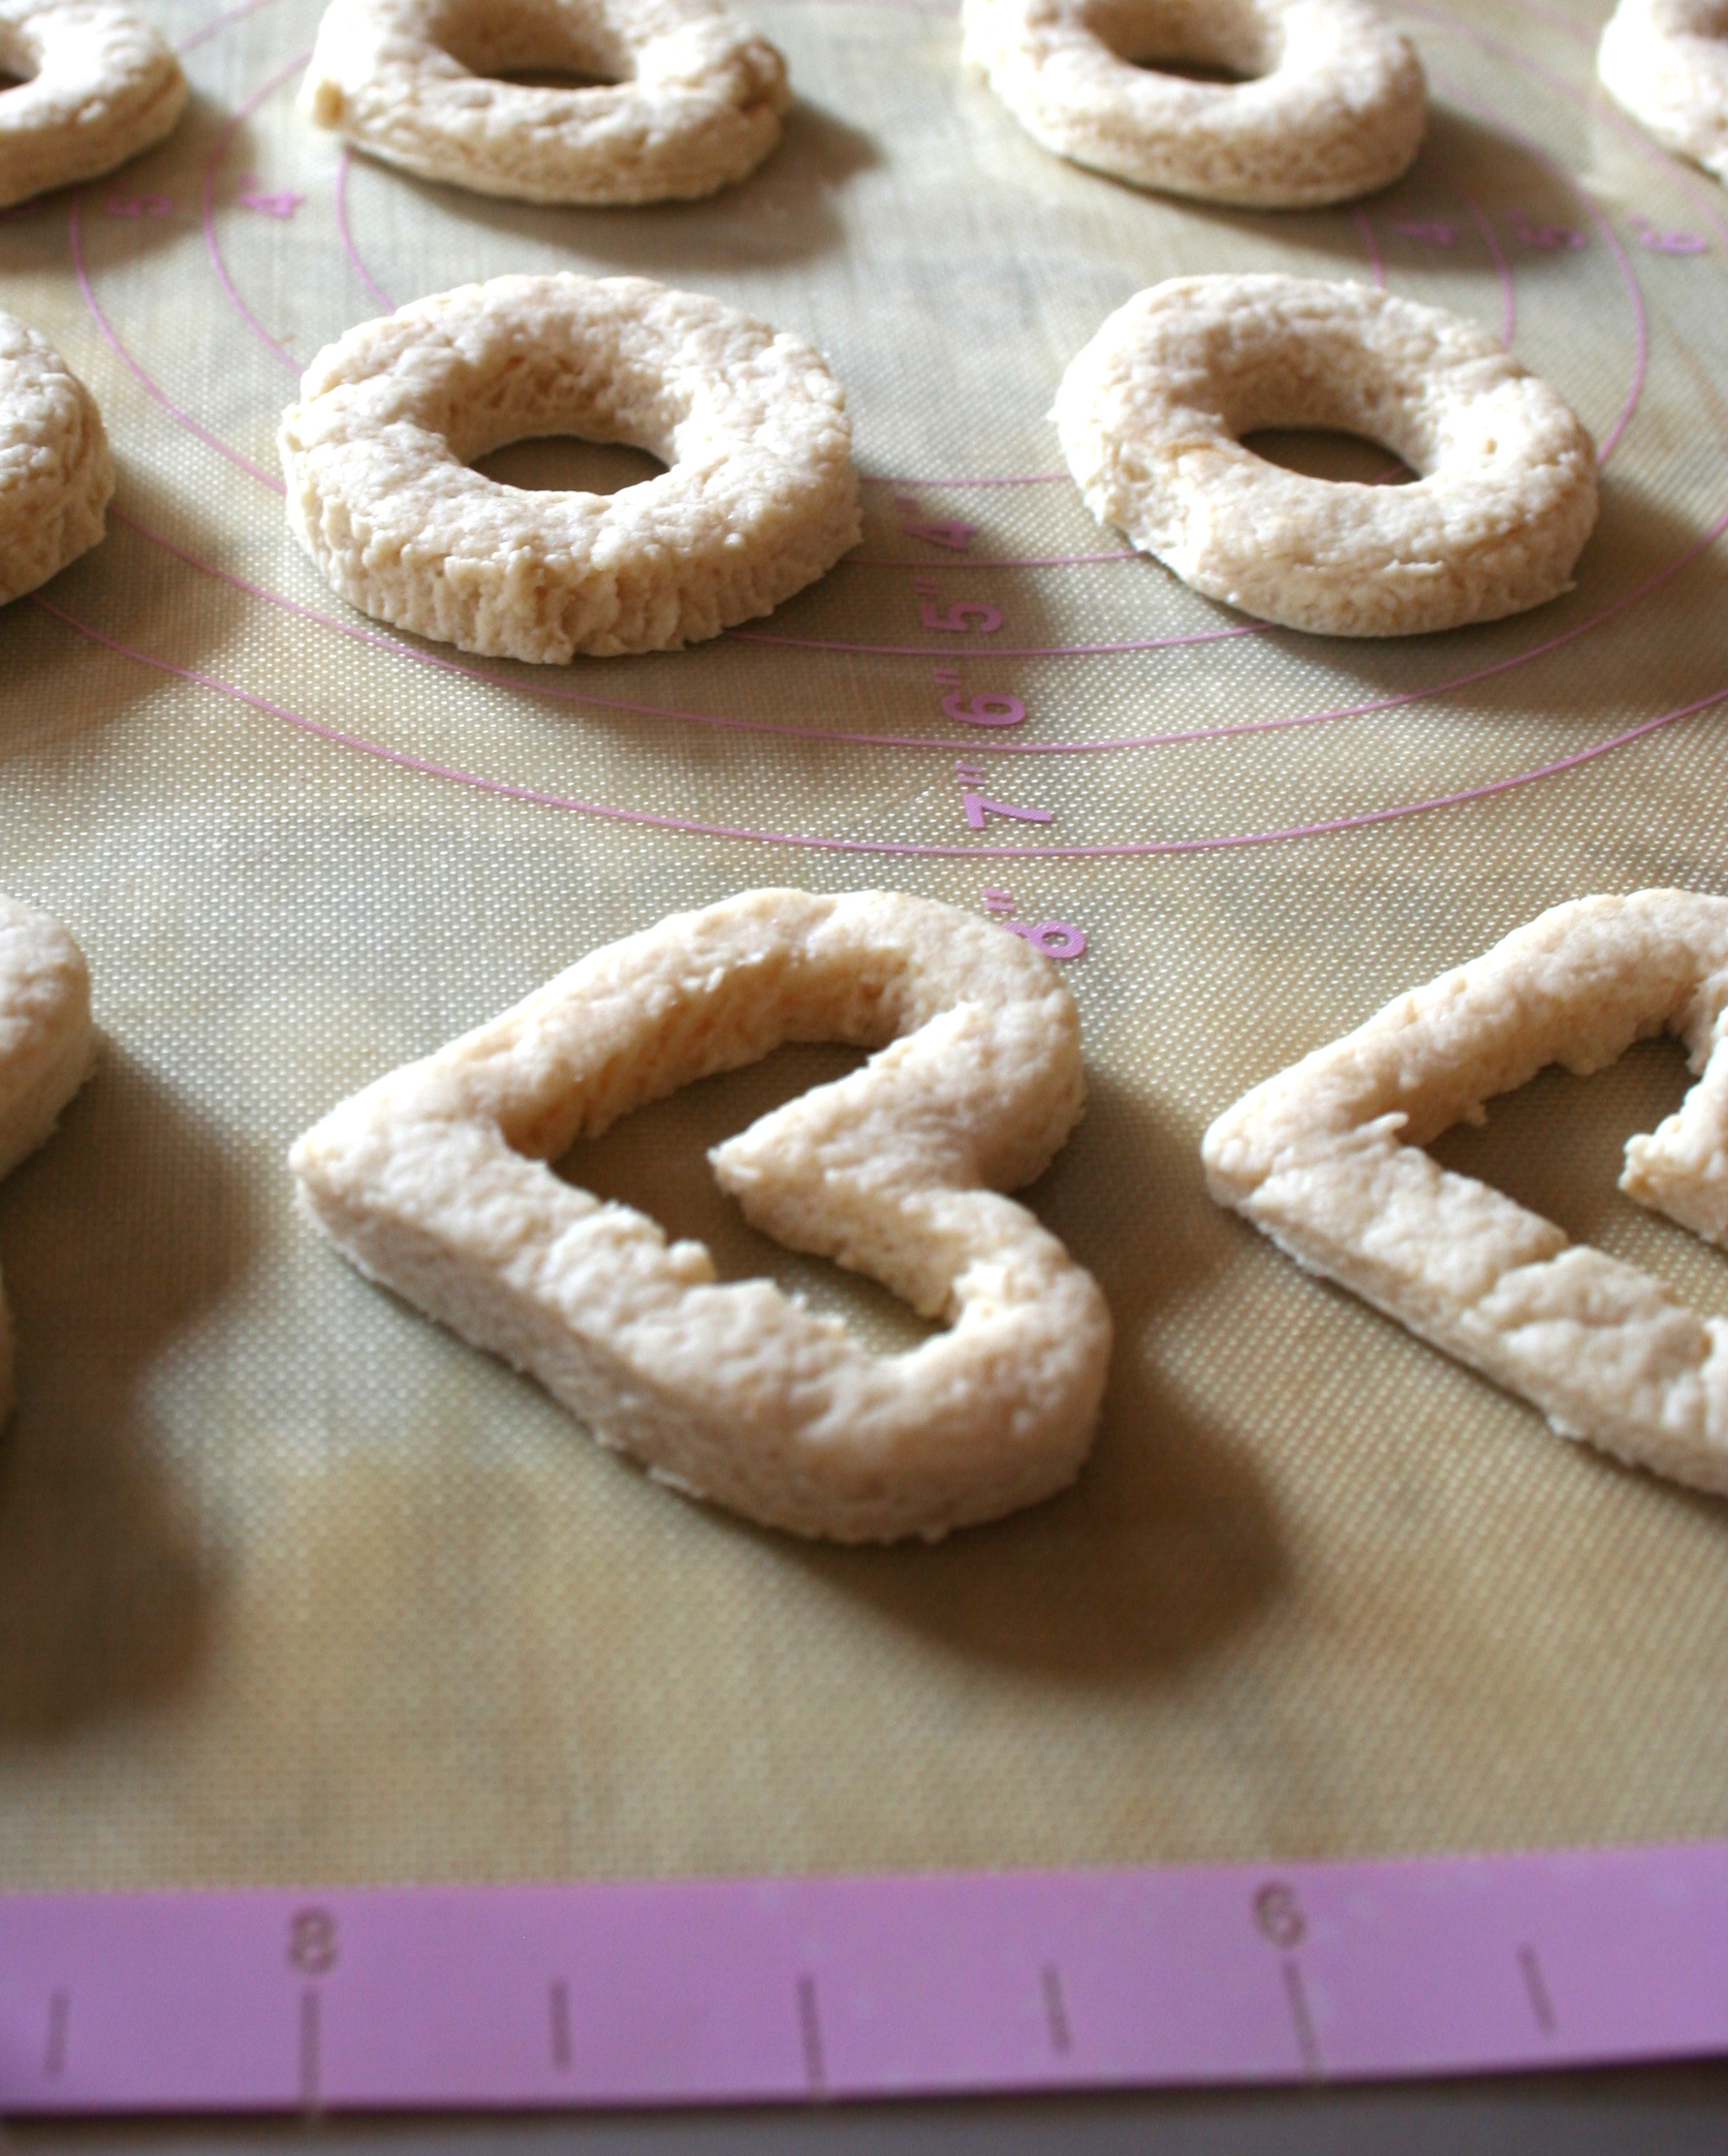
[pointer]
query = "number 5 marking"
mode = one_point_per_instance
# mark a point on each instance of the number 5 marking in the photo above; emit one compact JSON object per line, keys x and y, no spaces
{"x":985,"y":618}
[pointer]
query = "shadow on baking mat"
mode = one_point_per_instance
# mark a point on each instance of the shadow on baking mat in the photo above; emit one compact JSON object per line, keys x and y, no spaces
{"x":1167,"y":1544}
{"x":113,"y":1238}
{"x":782,"y":212}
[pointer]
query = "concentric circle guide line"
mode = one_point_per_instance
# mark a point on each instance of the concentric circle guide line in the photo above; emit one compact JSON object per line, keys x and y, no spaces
{"x":703,"y":827}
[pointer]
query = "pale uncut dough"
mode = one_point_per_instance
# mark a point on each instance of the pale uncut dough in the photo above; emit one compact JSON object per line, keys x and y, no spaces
{"x":1324,"y":1159}
{"x":433,"y":1181}
{"x":47,"y":1049}
{"x":693,"y":100}
{"x":96,"y":85}
{"x":56,"y":475}
{"x":1151,"y":414}
{"x":1336,"y":108}
{"x":1666,"y":62}
{"x":761,"y":498}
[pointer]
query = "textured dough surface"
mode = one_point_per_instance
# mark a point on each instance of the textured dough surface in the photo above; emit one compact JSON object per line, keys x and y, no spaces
{"x":47,"y":1049}
{"x":434,"y":1182}
{"x":1151,"y":414}
{"x":1324,"y":1159}
{"x":692,"y":101}
{"x":1666,"y":62}
{"x":57,"y":476}
{"x":97,"y":84}
{"x":1336,"y":105}
{"x":760,"y":498}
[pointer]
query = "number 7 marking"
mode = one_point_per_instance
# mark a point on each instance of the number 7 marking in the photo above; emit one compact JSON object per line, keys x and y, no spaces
{"x":979,"y":806}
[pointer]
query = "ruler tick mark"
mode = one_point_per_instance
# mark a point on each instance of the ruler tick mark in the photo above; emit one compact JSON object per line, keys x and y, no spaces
{"x":1055,"y":2010}
{"x":1303,"y":2020}
{"x":559,"y":2009}
{"x":1536,"y":1985}
{"x":311,"y":2046}
{"x":54,"y":2052}
{"x":810,"y":2029}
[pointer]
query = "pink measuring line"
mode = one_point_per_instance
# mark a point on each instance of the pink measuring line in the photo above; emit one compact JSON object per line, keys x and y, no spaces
{"x":1000,"y":650}
{"x":702,"y":827}
{"x":1491,"y":239}
{"x":154,"y":389}
{"x":212,"y":245}
{"x":358,"y":268}
{"x":996,"y":747}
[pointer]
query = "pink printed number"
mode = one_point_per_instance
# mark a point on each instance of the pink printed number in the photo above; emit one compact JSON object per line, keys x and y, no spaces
{"x":1059,"y":939}
{"x":254,"y":195}
{"x":1667,"y":243}
{"x":980,"y":805}
{"x":963,"y":616}
{"x":984,"y":710}
{"x":138,"y":206}
{"x":1434,"y":231}
{"x":1535,"y":235}
{"x":953,"y":534}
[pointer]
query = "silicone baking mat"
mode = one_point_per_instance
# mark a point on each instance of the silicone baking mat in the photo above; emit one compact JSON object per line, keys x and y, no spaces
{"x":293,"y":1586}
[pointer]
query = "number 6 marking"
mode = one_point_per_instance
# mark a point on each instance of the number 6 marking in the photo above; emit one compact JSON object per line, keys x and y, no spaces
{"x":984,"y":710}
{"x":985,"y":618}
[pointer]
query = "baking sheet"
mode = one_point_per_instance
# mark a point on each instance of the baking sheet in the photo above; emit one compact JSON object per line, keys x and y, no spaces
{"x":293,"y":1586}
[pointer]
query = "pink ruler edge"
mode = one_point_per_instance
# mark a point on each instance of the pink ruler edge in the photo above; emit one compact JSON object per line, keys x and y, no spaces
{"x":718,"y":1991}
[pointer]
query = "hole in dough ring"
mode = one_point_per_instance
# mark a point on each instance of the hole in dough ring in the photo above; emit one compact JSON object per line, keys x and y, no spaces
{"x":434,"y":1181}
{"x":1666,"y":63}
{"x":1336,"y":108}
{"x":47,"y":1049}
{"x":98,"y":86}
{"x":57,"y":476}
{"x":759,"y":500}
{"x":698,"y":105}
{"x":1153,"y":411}
{"x":1324,"y":1159}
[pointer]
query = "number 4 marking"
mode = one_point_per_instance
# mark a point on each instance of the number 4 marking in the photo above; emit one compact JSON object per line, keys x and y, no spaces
{"x":953,"y":534}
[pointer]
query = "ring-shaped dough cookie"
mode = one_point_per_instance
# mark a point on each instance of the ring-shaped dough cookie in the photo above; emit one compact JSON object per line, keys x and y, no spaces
{"x":56,"y":475}
{"x":1151,"y":416}
{"x":434,"y":1182}
{"x":1335,"y":104}
{"x":96,"y":85}
{"x":1666,"y":62}
{"x":693,"y":100}
{"x":1325,"y":1158}
{"x":47,"y":1049}
{"x":759,"y":500}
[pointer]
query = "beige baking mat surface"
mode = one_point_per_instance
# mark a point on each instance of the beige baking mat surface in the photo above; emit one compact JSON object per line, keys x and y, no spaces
{"x":293,"y":1586}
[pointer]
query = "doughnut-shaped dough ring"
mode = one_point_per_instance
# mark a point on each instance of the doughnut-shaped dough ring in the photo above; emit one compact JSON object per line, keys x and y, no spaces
{"x":47,"y":1049}
{"x":434,"y":1181}
{"x":1153,"y":411}
{"x":696,"y":103}
{"x":1666,"y":62}
{"x":1335,"y":105}
{"x":761,"y":498}
{"x":1324,"y":1159}
{"x":97,"y":85}
{"x":56,"y":475}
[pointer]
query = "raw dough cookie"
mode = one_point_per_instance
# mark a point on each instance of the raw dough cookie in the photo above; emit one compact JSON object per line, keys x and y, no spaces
{"x":1153,"y":411}
{"x":692,"y":99}
{"x":760,"y":499}
{"x":433,"y":1181}
{"x":55,"y":472}
{"x":47,"y":1049}
{"x":1666,"y":61}
{"x":1335,"y":107}
{"x":96,"y":86}
{"x":1324,"y":1159}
